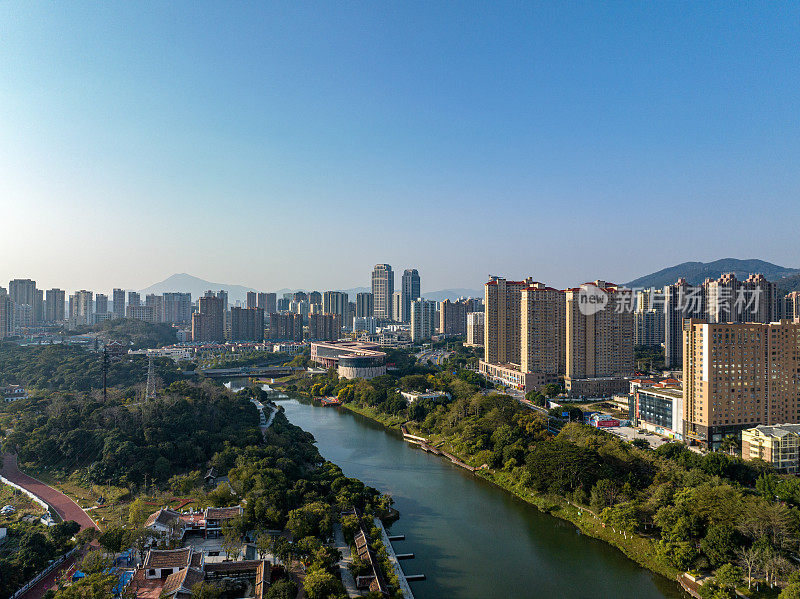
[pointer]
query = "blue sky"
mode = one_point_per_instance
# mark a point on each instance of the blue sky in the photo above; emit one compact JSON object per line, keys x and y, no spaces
{"x":297,"y":144}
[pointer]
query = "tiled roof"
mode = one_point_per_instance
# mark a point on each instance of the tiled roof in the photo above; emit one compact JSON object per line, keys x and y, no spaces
{"x":221,"y":513}
{"x":163,"y":516}
{"x":186,"y":578}
{"x":168,"y":558}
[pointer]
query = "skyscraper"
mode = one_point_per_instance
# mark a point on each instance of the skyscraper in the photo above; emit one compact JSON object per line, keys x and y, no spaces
{"x":382,"y":290}
{"x":364,"y":304}
{"x":247,"y":324}
{"x":252,"y":299}
{"x":55,"y":305}
{"x":156,"y":302}
{"x":336,"y":302}
{"x":502,"y":321}
{"x":543,"y":331}
{"x":324,"y":327}
{"x":82,"y":307}
{"x":410,"y":289}
{"x":208,"y":323}
{"x":423,"y":315}
{"x":267,"y":302}
{"x":739,"y":375}
{"x":6,"y":315}
{"x":101,"y":304}
{"x":599,"y":345}
{"x":178,"y":308}
{"x":134,"y":299}
{"x":118,"y":303}
{"x":453,"y":317}
{"x":398,"y":307}
{"x":23,"y":293}
{"x":681,"y":301}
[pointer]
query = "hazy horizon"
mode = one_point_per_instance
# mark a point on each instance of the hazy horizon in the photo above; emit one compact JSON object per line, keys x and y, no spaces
{"x":273,"y":146}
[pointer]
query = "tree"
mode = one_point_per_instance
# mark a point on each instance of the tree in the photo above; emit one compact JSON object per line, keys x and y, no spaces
{"x":139,"y":512}
{"x":551,"y":390}
{"x":95,"y":562}
{"x":748,"y":557}
{"x":64,"y":531}
{"x":205,"y":590}
{"x":729,"y":576}
{"x":641,"y":443}
{"x":283,"y":589}
{"x":320,"y":584}
{"x":91,"y":587}
{"x":719,"y":544}
{"x":263,"y":544}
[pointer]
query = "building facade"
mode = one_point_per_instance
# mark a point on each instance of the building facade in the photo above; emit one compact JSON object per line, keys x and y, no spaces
{"x":543,"y":331}
{"x":286,"y":326}
{"x":410,"y":290}
{"x":247,"y":324}
{"x":324,"y":327}
{"x":502,"y":326}
{"x":382,"y":290}
{"x":475,"y":331}
{"x":423,"y":315}
{"x":118,"y":303}
{"x":739,"y":375}
{"x":453,"y":317}
{"x":778,"y":445}
{"x":364,"y":304}
{"x":55,"y":302}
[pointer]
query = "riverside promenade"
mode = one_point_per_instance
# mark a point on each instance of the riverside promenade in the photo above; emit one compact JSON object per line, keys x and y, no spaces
{"x":401,"y":577}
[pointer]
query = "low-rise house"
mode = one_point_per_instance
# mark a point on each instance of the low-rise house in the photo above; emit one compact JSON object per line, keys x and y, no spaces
{"x":13,"y":392}
{"x":164,"y":521}
{"x":161,"y":563}
{"x":216,"y":517}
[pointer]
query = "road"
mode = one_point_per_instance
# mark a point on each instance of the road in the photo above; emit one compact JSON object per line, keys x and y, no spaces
{"x":63,"y":505}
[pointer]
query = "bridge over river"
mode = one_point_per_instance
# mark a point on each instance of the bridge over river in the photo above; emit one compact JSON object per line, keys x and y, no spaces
{"x":250,"y":371}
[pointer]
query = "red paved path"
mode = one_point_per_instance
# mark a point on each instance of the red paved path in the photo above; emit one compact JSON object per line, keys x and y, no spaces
{"x":66,"y":508}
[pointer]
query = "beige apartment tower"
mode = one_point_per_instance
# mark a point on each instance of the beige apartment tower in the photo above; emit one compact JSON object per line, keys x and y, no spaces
{"x":739,"y":375}
{"x":502,"y":330}
{"x":543,"y":330}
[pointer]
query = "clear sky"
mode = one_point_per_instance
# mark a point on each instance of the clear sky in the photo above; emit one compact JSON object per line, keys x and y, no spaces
{"x":292,"y":144}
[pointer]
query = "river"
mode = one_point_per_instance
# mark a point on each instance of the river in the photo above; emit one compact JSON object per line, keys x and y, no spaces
{"x":472,"y":539}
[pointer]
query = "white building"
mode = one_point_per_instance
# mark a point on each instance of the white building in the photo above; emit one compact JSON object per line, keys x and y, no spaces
{"x":475,"y":329}
{"x":423,"y":320}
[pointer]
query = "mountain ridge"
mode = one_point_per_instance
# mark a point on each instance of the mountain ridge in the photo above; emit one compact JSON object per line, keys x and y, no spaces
{"x":697,"y":272}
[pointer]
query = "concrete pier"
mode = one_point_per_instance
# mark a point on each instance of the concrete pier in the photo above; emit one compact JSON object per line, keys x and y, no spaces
{"x":401,"y":577}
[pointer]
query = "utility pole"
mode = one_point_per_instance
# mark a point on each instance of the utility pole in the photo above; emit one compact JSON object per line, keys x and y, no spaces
{"x":105,"y":373}
{"x":150,"y":392}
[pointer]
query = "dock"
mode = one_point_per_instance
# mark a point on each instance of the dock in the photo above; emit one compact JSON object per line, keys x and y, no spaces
{"x":402,"y":579}
{"x":423,"y":444}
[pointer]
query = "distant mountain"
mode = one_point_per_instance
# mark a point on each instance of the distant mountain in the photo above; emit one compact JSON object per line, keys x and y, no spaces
{"x":697,"y":272}
{"x":197,"y":287}
{"x":451,"y":294}
{"x":788,"y":284}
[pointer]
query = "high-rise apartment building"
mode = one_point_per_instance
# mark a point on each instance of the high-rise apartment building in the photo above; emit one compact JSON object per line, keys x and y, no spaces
{"x":54,"y":303}
{"x":134,"y":299}
{"x":101,"y":304}
{"x":336,"y":302}
{"x":80,"y":306}
{"x":502,"y":322}
{"x":382,"y":290}
{"x":208,"y":323}
{"x":267,"y":302}
{"x":398,"y":307}
{"x":252,"y":299}
{"x":543,"y":331}
{"x":790,"y":305}
{"x":364,"y":304}
{"x":23,"y":293}
{"x":118,"y":303}
{"x":6,"y":315}
{"x":681,"y":301}
{"x":599,"y":341}
{"x":475,"y":332}
{"x":286,"y":326}
{"x":739,"y":375}
{"x":423,"y":320}
{"x":177,"y":308}
{"x":453,"y":317}
{"x":324,"y":327}
{"x":314,"y":297}
{"x":410,"y":289}
{"x":144,"y":313}
{"x":247,"y":324}
{"x":156,"y":302}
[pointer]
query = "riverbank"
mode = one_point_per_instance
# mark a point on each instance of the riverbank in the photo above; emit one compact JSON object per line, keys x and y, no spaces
{"x":636,"y":547}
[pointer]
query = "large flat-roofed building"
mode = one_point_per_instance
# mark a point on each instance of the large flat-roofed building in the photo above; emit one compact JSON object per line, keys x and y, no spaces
{"x":778,"y":445}
{"x":509,"y":375}
{"x":659,"y":408}
{"x":739,"y":375}
{"x":352,"y":359}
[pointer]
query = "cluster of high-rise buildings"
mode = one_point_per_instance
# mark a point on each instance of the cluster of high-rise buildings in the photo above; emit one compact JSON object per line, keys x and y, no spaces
{"x":535,"y":334}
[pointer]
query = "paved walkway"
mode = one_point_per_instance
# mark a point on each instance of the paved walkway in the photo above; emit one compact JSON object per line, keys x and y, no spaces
{"x":63,"y":505}
{"x":347,"y":576}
